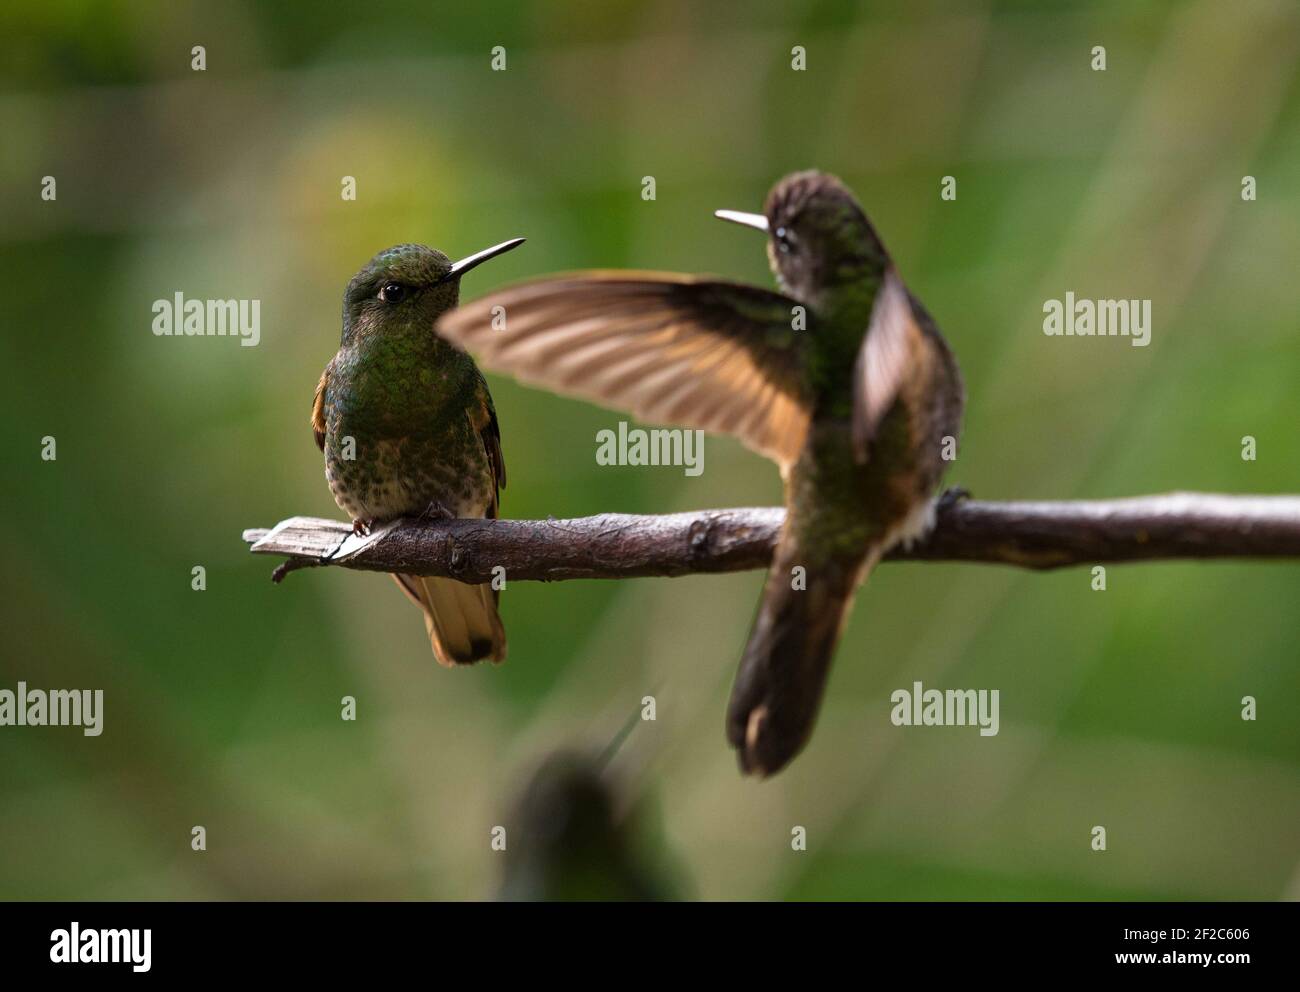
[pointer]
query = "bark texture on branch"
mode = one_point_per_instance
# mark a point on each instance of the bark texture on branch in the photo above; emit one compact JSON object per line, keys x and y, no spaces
{"x":1038,"y":535}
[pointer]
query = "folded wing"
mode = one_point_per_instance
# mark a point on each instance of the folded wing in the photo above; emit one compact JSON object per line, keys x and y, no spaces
{"x":886,"y":355}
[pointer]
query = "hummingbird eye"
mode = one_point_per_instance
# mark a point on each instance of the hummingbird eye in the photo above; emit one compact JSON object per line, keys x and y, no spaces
{"x":393,"y":292}
{"x":784,"y":241}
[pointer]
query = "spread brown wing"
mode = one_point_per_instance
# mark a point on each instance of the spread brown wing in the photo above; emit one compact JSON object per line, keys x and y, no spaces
{"x":318,"y":407}
{"x":883,"y":360}
{"x":485,"y":422}
{"x":669,"y":348}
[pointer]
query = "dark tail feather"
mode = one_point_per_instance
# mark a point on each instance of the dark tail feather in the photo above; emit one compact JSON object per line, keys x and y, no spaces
{"x":782,"y":675}
{"x":461,"y":620}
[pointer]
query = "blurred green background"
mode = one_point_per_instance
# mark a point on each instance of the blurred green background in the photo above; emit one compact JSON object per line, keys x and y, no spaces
{"x":1119,"y":708}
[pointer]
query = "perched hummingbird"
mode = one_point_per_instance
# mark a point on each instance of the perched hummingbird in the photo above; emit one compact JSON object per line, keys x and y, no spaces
{"x":842,"y":378}
{"x":408,"y":429}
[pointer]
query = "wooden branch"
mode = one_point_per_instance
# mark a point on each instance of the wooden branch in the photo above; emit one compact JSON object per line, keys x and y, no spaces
{"x":1038,"y":535}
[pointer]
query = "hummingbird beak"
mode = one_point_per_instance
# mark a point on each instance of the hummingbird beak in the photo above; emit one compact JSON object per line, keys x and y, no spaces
{"x":756,"y":221}
{"x":458,"y":269}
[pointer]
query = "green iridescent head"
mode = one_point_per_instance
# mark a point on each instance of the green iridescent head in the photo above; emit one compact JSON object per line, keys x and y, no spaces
{"x":408,"y":285}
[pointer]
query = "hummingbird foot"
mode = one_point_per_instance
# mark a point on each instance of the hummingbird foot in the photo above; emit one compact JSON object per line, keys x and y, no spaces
{"x":436,"y":510}
{"x":361,"y":527}
{"x":952,"y":495}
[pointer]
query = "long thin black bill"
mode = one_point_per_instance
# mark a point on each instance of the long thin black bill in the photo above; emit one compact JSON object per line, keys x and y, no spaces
{"x":469,"y":261}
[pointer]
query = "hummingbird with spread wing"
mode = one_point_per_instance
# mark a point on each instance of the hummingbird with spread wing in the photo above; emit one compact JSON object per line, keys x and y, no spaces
{"x":407,"y":427}
{"x":841,"y":378}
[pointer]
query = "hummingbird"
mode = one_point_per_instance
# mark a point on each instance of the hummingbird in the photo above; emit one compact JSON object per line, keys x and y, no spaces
{"x":407,"y":427}
{"x":577,"y":836}
{"x":841,"y":377}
